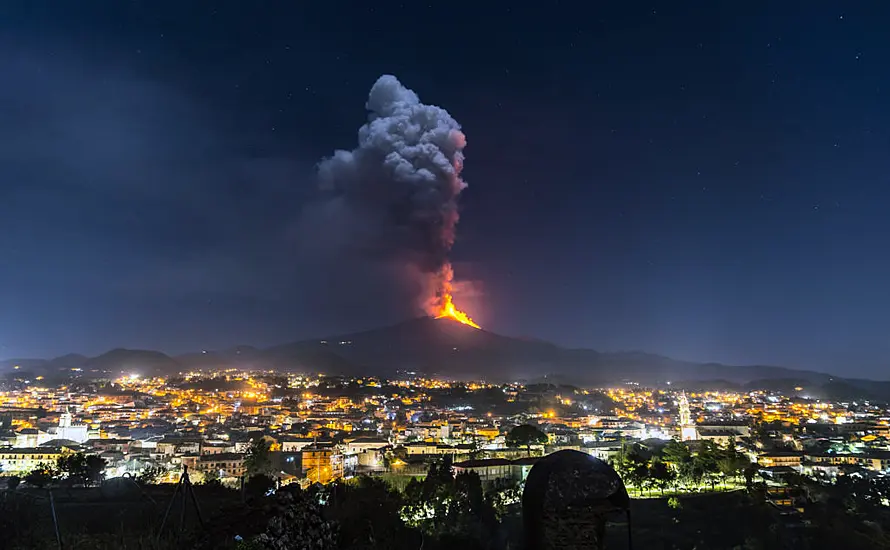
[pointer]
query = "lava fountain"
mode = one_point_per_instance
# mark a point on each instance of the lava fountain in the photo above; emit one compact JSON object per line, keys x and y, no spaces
{"x":447,"y":310}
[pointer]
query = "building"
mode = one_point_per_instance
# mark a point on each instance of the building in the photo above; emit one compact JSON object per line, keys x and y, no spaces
{"x":225,"y":464}
{"x":428,"y":448}
{"x":832,"y":459}
{"x":362,"y":444}
{"x":179,"y":446}
{"x":22,"y":461}
{"x":295,"y":444}
{"x":488,"y":432}
{"x":603,"y":450}
{"x":878,"y":461}
{"x":216,"y":448}
{"x":491,"y":469}
{"x":720,"y":437}
{"x":322,"y":464}
{"x":788,"y":459}
{"x":28,"y":438}
{"x":67,"y":429}
{"x":688,"y":432}
{"x":738,"y":429}
{"x":488,"y":469}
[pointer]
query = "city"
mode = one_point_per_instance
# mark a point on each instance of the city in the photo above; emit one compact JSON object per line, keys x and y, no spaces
{"x":227,"y":427}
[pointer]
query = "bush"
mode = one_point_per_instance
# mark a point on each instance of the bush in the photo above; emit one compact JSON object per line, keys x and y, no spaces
{"x":12,"y":482}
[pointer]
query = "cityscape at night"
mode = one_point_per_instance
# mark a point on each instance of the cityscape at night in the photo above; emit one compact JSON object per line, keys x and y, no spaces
{"x":248,"y":432}
{"x":399,"y":276}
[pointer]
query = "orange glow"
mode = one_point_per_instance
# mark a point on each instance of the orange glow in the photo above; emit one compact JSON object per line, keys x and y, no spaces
{"x":447,"y":310}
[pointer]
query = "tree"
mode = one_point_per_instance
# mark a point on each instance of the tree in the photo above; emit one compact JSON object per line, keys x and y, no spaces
{"x":727,"y":467}
{"x":211,"y":477}
{"x":730,"y":462}
{"x":454,"y":510}
{"x":72,"y":468}
{"x":660,"y":475}
{"x":676,"y":453}
{"x":471,"y":515}
{"x":504,"y":494}
{"x":429,"y":498}
{"x":258,"y":460}
{"x":525,"y":435}
{"x":749,"y":472}
{"x":367,"y":512}
{"x":12,"y":482}
{"x":41,"y":476}
{"x":705,"y":461}
{"x":95,"y":469}
{"x":258,"y":485}
{"x":632,"y":465}
{"x":151,"y":475}
{"x":81,"y":469}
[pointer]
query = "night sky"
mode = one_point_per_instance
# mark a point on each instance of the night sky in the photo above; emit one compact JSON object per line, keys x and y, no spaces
{"x":700,"y":183}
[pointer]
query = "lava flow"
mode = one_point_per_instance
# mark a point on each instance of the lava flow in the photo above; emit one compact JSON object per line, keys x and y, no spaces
{"x":448,"y":311}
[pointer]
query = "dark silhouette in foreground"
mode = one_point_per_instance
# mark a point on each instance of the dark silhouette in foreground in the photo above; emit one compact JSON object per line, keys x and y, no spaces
{"x":568,"y":497}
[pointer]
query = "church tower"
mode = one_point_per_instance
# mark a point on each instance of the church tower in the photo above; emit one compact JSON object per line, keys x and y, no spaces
{"x":688,"y":432}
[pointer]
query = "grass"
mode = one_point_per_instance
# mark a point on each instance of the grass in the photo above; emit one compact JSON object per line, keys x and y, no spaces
{"x":684,"y":490}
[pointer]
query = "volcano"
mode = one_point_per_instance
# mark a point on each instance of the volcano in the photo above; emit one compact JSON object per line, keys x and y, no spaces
{"x":448,"y":348}
{"x":443,"y":346}
{"x":449,"y":311}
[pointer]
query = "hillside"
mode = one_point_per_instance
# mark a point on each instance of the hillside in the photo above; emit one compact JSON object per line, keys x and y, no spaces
{"x":439,"y":346}
{"x":124,"y":361}
{"x":449,"y":349}
{"x":444,"y":347}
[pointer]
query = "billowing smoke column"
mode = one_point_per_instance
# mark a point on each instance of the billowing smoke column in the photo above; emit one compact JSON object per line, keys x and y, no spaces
{"x":403,"y":181}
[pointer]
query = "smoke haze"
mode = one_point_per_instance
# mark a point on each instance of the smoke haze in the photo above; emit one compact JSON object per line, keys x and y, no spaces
{"x":394,"y":197}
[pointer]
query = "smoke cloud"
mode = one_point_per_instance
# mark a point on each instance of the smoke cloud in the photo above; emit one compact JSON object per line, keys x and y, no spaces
{"x":396,"y":193}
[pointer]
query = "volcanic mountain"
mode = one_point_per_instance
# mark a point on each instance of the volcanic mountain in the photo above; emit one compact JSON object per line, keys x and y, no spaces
{"x":433,"y":346}
{"x":447,"y":348}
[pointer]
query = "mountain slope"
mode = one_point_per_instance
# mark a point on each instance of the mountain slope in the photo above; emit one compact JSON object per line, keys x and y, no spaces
{"x":446,"y":348}
{"x":430,"y":345}
{"x":118,"y":361}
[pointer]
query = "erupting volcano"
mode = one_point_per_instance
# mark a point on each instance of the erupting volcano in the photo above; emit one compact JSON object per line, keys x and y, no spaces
{"x":396,"y":193}
{"x":448,"y":311}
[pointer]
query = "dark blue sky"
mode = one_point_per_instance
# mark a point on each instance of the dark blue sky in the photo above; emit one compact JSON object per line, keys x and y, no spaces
{"x":701,"y":183}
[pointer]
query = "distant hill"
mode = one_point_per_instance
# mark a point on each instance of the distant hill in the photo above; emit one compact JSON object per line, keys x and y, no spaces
{"x":70,"y":361}
{"x":132,"y":361}
{"x":22,"y":364}
{"x":203,"y":360}
{"x":446,"y":348}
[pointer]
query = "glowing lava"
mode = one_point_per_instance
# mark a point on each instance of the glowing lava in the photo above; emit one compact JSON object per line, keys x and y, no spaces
{"x":448,"y":311}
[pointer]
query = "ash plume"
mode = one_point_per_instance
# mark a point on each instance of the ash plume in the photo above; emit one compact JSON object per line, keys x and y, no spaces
{"x":399,"y":188}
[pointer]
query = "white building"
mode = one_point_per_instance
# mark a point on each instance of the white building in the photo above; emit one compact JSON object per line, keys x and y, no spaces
{"x":688,"y":431}
{"x":68,"y":430}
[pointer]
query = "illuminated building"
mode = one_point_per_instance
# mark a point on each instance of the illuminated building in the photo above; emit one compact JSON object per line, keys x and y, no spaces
{"x":68,"y":430}
{"x":688,"y":431}
{"x":21,"y":461}
{"x":790,"y":459}
{"x":226,"y":464}
{"x":322,"y":464}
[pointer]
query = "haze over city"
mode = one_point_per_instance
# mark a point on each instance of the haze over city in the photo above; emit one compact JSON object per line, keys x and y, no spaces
{"x":661,"y":178}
